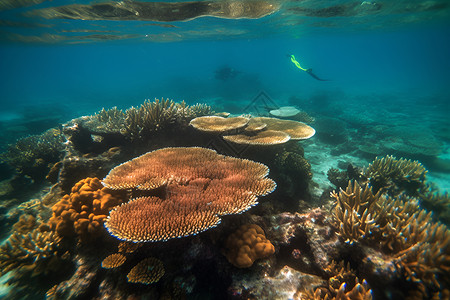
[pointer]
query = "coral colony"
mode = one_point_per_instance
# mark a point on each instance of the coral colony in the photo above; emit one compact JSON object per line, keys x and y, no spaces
{"x":140,"y":206}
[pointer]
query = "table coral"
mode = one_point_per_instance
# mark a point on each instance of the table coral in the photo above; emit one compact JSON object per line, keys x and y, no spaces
{"x":114,"y":260}
{"x":248,"y":244}
{"x":83,"y":211}
{"x":147,"y":271}
{"x":200,"y":186}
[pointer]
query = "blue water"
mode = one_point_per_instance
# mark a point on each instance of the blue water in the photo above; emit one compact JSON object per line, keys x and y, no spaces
{"x":411,"y":62}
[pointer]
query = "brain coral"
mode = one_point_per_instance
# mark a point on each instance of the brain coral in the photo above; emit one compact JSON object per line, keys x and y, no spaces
{"x":82,"y":211}
{"x":248,"y":244}
{"x":200,"y":186}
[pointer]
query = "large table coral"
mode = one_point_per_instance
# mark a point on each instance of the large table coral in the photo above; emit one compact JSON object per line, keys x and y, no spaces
{"x":200,"y":186}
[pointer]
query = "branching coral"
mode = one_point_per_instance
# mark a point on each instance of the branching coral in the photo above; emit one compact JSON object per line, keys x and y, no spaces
{"x":356,"y":212}
{"x":37,"y":251}
{"x":200,"y":186}
{"x":161,"y":114}
{"x":35,"y":155}
{"x":342,"y":285}
{"x":419,"y":247}
{"x":248,"y":244}
{"x":395,"y":176}
{"x":83,"y":211}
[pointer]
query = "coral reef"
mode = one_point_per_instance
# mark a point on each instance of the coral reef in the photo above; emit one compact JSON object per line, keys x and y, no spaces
{"x":83,"y":211}
{"x":267,"y":137}
{"x":200,"y":186}
{"x":218,"y":124}
{"x":246,"y":245}
{"x":113,"y":261}
{"x":160,"y":115}
{"x":342,"y":284}
{"x":419,"y":247}
{"x":147,"y":271}
{"x":254,"y":131}
{"x":356,"y":212}
{"x":395,"y":176}
{"x":35,"y":155}
{"x":36,"y":252}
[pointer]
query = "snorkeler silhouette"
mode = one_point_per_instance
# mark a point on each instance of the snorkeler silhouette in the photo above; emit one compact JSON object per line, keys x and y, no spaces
{"x":309,"y":71}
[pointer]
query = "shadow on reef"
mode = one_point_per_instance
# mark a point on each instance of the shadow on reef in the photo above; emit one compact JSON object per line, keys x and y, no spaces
{"x":186,"y":222}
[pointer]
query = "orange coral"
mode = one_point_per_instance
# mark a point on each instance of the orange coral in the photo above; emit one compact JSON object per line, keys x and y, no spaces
{"x":83,"y":211}
{"x":200,"y":186}
{"x":248,"y":244}
{"x":148,"y":270}
{"x":113,"y":261}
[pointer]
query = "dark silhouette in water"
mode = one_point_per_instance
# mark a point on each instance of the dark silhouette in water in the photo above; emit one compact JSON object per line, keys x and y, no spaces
{"x":309,"y":71}
{"x":225,"y":73}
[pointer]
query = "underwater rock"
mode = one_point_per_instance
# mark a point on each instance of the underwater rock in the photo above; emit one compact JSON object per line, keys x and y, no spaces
{"x":79,"y":285}
{"x":284,"y":284}
{"x":307,"y":241}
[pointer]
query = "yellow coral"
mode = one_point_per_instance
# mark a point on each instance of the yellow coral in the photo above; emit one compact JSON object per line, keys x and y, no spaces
{"x":248,"y":244}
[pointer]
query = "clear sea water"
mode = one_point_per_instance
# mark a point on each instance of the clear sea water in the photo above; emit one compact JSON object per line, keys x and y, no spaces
{"x":391,"y":60}
{"x":387,"y":65}
{"x":384,"y":61}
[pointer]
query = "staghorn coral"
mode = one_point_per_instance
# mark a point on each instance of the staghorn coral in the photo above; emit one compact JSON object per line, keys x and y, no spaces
{"x":342,"y":285}
{"x":35,"y":155}
{"x":147,"y":271}
{"x":113,"y":261}
{"x":395,"y":176}
{"x":418,"y":247}
{"x":159,"y":115}
{"x":438,"y":203}
{"x":200,"y":186}
{"x":106,"y":121}
{"x":356,"y":212}
{"x":218,"y":124}
{"x":37,"y":252}
{"x":246,"y":245}
{"x":83,"y":211}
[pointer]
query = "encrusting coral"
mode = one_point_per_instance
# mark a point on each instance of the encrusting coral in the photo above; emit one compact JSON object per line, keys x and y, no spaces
{"x":200,"y":186}
{"x":147,"y":271}
{"x":83,"y":211}
{"x":246,"y":245}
